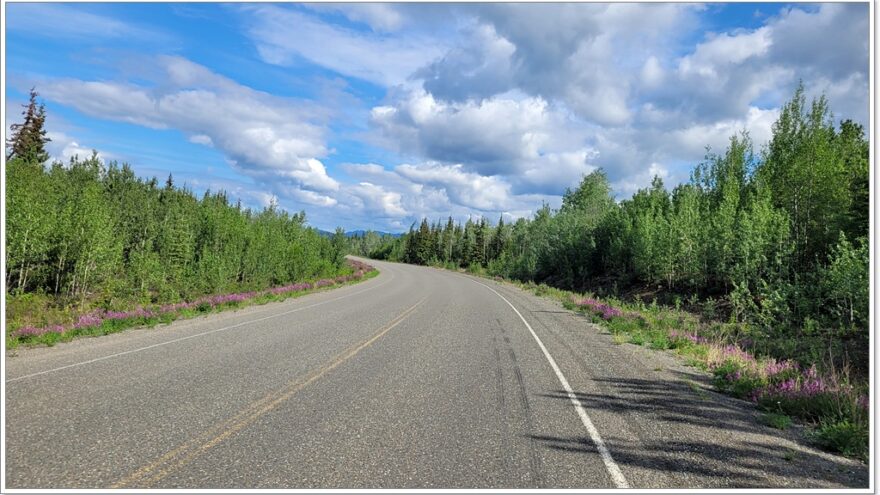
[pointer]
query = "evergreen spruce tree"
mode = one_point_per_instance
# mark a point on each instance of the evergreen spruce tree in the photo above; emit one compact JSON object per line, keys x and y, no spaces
{"x":28,"y":138}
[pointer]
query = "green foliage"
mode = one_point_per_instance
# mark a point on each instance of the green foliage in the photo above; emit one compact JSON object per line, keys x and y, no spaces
{"x":845,"y":282}
{"x":28,"y":139}
{"x":844,"y":436}
{"x":91,"y":235}
{"x":775,"y":420}
{"x":806,"y":168}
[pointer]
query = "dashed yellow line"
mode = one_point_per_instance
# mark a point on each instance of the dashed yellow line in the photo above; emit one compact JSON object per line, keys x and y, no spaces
{"x":186,"y":453}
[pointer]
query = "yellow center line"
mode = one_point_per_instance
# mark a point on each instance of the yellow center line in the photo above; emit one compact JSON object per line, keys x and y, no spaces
{"x":186,"y":453}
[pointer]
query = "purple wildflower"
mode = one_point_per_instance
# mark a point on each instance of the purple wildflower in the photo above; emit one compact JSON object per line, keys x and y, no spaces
{"x":604,"y":310}
{"x":773,"y":368}
{"x":88,"y":320}
{"x":28,"y":332}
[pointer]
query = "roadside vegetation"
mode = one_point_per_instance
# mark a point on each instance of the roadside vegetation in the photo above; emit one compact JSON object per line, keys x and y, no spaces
{"x":91,"y":247}
{"x":102,"y":322}
{"x":756,"y":269}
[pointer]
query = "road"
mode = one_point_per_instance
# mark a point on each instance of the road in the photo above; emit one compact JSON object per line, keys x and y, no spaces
{"x":418,"y":378}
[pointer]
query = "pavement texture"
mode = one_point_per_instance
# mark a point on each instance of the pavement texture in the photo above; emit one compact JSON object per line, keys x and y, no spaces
{"x":418,"y":378}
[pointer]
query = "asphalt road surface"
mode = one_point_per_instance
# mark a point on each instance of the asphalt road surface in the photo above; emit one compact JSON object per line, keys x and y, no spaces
{"x":418,"y":378}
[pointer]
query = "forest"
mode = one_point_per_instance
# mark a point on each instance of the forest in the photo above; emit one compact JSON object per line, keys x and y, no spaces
{"x":85,"y":235}
{"x":776,"y":240}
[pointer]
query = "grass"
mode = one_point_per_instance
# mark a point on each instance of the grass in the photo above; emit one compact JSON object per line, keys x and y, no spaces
{"x":829,"y":402}
{"x":97,"y":323}
{"x":775,"y":420}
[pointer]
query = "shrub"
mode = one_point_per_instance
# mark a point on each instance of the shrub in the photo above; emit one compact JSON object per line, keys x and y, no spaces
{"x":844,"y":436}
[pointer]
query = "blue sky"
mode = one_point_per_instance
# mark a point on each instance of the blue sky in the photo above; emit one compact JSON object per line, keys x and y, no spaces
{"x":376,"y":115}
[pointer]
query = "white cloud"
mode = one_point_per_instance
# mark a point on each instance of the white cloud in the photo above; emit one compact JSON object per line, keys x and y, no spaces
{"x":491,"y":136}
{"x":553,"y":172}
{"x":58,"y":20}
{"x":641,"y":180}
{"x":433,"y":190}
{"x":724,"y":50}
{"x":462,"y":188}
{"x":307,"y":197}
{"x":694,"y":139}
{"x":201,"y":139}
{"x":63,"y":147}
{"x":282,"y":35}
{"x":480,"y":66}
{"x":376,"y":199}
{"x":379,"y":16}
{"x":578,"y":54}
{"x":264,"y":136}
{"x":652,"y":73}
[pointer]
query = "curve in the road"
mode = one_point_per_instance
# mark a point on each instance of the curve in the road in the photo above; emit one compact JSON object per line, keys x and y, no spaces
{"x":309,"y":394}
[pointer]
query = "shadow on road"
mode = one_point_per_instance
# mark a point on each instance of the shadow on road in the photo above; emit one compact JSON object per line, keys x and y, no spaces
{"x":702,"y":435}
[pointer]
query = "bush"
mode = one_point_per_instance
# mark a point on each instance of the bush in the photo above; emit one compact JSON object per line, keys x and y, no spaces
{"x":845,"y":437}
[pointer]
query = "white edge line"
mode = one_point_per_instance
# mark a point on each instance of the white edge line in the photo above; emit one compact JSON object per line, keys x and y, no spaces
{"x":613,"y":468}
{"x":102,"y":358}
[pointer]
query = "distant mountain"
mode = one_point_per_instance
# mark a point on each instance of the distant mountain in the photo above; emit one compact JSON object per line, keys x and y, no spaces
{"x":359,"y":232}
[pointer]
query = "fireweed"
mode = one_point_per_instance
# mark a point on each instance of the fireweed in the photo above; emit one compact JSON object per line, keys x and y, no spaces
{"x":605,"y":311}
{"x":827,"y":400}
{"x":96,"y":318}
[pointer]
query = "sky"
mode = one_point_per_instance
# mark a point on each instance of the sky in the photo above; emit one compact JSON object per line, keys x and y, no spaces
{"x":374,"y":116}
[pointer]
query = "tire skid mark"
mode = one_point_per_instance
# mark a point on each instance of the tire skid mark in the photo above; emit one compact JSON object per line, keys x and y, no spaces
{"x":500,"y":407}
{"x":633,"y":423}
{"x":499,"y":376}
{"x":611,"y":467}
{"x":535,"y":463}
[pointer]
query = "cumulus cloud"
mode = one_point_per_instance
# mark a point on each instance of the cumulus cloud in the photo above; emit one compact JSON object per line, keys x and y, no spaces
{"x":577,"y":54}
{"x":410,"y":192}
{"x":694,"y":139}
{"x":63,"y":147}
{"x":630,"y":185}
{"x":728,"y":73}
{"x":618,"y":81}
{"x":522,"y":138}
{"x":832,"y":40}
{"x":478,"y":67}
{"x":377,"y":200}
{"x":264,"y":136}
{"x":490,"y":135}
{"x":462,"y":188}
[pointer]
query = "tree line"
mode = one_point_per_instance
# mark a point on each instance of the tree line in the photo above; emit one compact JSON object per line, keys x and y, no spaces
{"x":85,"y":232}
{"x":775,"y":240}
